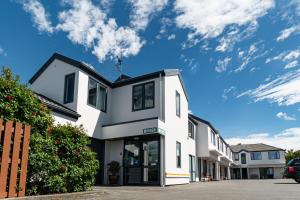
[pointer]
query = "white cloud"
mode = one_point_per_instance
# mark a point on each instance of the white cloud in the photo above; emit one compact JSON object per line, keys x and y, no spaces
{"x":2,"y":51}
{"x":171,"y":37}
{"x":287,"y":139}
{"x":222,"y":64}
{"x":209,"y":18}
{"x":284,"y":34}
{"x":143,"y":10}
{"x":88,"y":25}
{"x":284,"y":90}
{"x":227,"y":42}
{"x":286,"y":56}
{"x":39,"y":16}
{"x":291,"y":64}
{"x":231,"y":90}
{"x":285,"y":116}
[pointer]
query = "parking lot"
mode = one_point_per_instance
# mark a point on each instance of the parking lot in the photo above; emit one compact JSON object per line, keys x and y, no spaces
{"x":225,"y":190}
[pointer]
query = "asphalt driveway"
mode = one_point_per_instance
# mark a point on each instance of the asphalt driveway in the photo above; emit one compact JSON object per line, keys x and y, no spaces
{"x":223,"y":190}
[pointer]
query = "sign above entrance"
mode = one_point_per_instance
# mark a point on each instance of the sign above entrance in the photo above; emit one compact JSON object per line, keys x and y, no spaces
{"x":153,"y":130}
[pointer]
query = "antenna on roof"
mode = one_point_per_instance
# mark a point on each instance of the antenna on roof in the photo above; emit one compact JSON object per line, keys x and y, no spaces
{"x":118,"y":64}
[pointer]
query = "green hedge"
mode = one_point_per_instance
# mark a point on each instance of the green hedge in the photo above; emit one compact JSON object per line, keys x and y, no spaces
{"x":59,"y":157}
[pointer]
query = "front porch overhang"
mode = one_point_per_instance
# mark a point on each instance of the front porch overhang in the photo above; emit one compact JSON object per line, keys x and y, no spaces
{"x":133,"y":128}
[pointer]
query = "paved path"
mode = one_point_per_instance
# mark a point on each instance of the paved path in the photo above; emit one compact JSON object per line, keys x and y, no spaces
{"x":221,"y":190}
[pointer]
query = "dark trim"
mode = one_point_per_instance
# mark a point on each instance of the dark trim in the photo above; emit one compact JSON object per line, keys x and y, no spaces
{"x":143,"y":96}
{"x":180,"y":164}
{"x":70,"y":61}
{"x":97,"y":100}
{"x":128,"y":122}
{"x":85,"y":68}
{"x":205,"y":122}
{"x":65,"y":88}
{"x":60,"y":109}
{"x":193,"y":121}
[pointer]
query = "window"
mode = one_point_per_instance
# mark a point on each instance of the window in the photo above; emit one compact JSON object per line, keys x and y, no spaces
{"x":243,"y":158}
{"x":236,"y":157}
{"x":178,"y":154}
{"x":69,"y":88}
{"x":213,"y":138}
{"x":273,"y":155}
{"x":218,"y":144}
{"x":177,"y":104}
{"x":255,"y":155}
{"x":191,"y":130}
{"x":97,"y":95}
{"x":143,"y":96}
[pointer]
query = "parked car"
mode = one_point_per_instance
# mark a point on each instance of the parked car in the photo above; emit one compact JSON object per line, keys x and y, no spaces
{"x":292,"y":169}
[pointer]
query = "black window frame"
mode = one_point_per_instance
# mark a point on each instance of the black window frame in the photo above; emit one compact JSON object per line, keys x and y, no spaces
{"x":98,"y":85}
{"x":277,"y":153}
{"x":66,"y":98}
{"x":192,"y":130}
{"x":244,"y":161}
{"x":178,"y":157}
{"x":177,"y":94}
{"x":252,"y":155}
{"x":143,"y":96}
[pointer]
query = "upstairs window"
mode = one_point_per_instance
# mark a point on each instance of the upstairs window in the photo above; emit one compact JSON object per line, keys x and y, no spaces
{"x":69,"y":88}
{"x":97,"y":95}
{"x":273,"y":155}
{"x":178,"y":104}
{"x":143,"y":96}
{"x":243,"y":158}
{"x":236,"y":157}
{"x":191,"y":130}
{"x":255,"y":155}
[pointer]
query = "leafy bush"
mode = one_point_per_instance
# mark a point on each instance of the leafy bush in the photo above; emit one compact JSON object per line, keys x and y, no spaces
{"x":71,"y":165}
{"x":114,"y":167}
{"x":59,"y":159}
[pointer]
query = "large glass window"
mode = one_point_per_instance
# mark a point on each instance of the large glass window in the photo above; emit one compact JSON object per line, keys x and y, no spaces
{"x":255,"y":155}
{"x":178,"y":154}
{"x":69,"y":88}
{"x":273,"y":155}
{"x":177,"y":104}
{"x":191,"y":130}
{"x":236,"y":157}
{"x":143,"y":96}
{"x":243,"y":158}
{"x":97,"y":95}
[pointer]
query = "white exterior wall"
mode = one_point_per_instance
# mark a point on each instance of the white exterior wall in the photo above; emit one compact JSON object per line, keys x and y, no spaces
{"x":264,"y":161}
{"x":52,"y":81}
{"x":122,"y":104}
{"x":176,"y":131}
{"x":203,"y":140}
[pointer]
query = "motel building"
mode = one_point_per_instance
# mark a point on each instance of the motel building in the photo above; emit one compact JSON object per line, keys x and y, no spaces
{"x":142,"y":122}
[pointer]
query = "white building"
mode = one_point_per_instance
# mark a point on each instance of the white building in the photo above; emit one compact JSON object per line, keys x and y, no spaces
{"x":213,"y":153}
{"x":257,"y":161}
{"x":141,"y":122}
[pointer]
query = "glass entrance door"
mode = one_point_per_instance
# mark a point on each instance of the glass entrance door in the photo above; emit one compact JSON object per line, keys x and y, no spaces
{"x":192,"y":168}
{"x":142,"y":161}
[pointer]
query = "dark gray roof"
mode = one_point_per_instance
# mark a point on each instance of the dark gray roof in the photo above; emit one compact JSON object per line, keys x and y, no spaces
{"x":254,"y":147}
{"x":95,"y":74}
{"x":57,"y":107}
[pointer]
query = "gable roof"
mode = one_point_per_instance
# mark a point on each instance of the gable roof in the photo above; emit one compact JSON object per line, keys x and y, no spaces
{"x":57,"y":107}
{"x":254,"y":147}
{"x":125,"y":81}
{"x":203,"y":121}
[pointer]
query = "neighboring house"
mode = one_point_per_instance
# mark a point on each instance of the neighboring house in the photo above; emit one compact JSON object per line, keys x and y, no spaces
{"x":257,"y":161}
{"x":213,"y":153}
{"x":141,"y":122}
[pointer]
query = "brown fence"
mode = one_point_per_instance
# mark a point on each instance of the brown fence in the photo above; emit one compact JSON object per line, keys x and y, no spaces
{"x":14,"y":141}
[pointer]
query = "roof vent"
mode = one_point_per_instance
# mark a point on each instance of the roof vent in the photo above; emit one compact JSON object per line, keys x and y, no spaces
{"x":122,"y":77}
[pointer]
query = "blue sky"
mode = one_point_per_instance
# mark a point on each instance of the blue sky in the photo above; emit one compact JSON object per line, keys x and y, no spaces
{"x":239,"y":59}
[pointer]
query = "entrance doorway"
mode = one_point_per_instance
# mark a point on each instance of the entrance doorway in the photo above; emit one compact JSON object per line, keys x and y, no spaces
{"x":244,"y":173}
{"x":142,"y":161}
{"x":192,"y":168}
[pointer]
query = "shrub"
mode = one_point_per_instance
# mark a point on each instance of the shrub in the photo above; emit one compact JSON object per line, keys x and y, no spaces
{"x":58,"y":162}
{"x":71,"y":165}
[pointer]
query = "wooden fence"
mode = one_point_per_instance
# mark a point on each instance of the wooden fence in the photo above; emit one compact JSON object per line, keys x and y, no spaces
{"x":14,"y":144}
